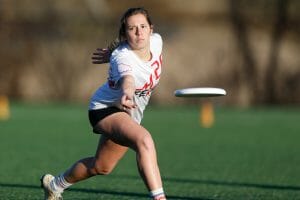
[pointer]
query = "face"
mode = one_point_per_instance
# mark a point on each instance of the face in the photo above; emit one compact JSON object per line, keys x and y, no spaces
{"x":138,"y":32}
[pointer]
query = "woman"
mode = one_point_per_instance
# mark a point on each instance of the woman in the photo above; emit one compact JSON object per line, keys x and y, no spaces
{"x":116,"y":109}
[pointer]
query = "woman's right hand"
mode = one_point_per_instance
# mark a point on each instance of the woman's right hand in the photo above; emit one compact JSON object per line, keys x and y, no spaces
{"x":101,"y":56}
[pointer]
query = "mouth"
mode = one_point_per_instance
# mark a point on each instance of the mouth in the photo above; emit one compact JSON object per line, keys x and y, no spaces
{"x":140,"y":40}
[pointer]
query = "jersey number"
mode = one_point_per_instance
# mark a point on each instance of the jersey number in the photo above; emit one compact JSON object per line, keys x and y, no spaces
{"x":156,"y":75}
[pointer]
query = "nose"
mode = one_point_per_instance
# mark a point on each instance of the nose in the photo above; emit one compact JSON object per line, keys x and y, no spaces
{"x":138,"y":31}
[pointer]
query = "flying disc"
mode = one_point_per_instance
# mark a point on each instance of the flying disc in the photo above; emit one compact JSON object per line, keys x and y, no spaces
{"x":200,"y":92}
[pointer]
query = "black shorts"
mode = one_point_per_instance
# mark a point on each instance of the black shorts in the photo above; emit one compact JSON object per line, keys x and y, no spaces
{"x":97,"y":115}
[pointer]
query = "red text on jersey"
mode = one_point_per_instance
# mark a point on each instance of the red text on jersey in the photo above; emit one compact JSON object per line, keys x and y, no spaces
{"x":152,"y":80}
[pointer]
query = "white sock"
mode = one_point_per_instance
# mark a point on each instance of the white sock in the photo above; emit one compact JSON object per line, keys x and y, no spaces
{"x":157,"y":193}
{"x":59,"y":183}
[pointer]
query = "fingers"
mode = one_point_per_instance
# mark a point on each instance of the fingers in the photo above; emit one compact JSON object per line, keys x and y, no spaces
{"x":97,"y":58}
{"x":127,"y":103}
{"x":102,"y":49}
{"x":97,"y":61}
{"x":101,"y":56}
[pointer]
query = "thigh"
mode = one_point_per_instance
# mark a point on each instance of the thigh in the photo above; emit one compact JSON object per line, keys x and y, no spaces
{"x":122,"y":129}
{"x":108,"y":153}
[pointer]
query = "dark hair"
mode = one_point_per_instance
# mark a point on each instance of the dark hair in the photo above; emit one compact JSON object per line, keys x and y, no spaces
{"x":130,"y":12}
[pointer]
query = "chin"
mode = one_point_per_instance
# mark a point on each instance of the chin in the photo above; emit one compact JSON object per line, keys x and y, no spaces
{"x":139,"y":47}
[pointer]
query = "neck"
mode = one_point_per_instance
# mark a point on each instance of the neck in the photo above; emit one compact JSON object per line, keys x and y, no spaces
{"x":143,"y":54}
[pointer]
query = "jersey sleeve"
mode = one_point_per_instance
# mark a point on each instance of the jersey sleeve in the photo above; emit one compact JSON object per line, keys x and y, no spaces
{"x":156,"y":42}
{"x":120,"y":66}
{"x":123,"y":67}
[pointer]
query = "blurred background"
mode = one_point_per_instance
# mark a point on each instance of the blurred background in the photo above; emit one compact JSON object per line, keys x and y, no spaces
{"x":247,"y":144}
{"x":249,"y":48}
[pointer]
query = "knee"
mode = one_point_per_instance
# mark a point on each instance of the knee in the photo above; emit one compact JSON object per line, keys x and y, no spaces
{"x":145,"y":142}
{"x":102,"y":171}
{"x":98,"y":169}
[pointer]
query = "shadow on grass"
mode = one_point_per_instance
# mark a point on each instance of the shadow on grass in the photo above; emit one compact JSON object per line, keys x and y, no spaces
{"x":96,"y":191}
{"x":224,"y":183}
{"x":235,"y":184}
{"x":175,"y":180}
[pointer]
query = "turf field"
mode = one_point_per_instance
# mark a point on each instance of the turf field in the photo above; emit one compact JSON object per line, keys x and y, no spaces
{"x":247,"y":154}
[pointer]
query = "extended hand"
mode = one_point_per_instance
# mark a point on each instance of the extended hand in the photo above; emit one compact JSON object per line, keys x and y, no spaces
{"x":127,"y":102}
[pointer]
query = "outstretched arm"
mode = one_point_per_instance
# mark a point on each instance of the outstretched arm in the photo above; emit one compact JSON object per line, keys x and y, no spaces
{"x":128,"y":88}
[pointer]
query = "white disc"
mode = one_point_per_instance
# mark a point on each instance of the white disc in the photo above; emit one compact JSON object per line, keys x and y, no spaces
{"x":200,"y":92}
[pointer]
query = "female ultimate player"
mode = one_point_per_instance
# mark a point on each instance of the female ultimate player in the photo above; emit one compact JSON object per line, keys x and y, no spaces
{"x":116,"y":110}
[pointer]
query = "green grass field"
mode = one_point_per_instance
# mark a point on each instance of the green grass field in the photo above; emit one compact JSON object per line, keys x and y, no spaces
{"x":247,"y":154}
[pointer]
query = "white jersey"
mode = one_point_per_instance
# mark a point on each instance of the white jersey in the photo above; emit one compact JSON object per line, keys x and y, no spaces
{"x":123,"y":62}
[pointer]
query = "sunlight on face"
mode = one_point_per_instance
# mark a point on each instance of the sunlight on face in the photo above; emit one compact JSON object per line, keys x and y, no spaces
{"x":138,"y":32}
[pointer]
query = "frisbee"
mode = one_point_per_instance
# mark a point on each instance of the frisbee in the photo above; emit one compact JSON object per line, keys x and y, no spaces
{"x":200,"y":92}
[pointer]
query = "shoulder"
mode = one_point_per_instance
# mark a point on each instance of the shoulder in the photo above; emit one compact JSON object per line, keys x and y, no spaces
{"x":156,"y":43}
{"x":156,"y":38}
{"x":120,"y":54}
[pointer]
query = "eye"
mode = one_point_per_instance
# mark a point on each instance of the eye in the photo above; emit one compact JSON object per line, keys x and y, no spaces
{"x":130,"y":28}
{"x":143,"y":26}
